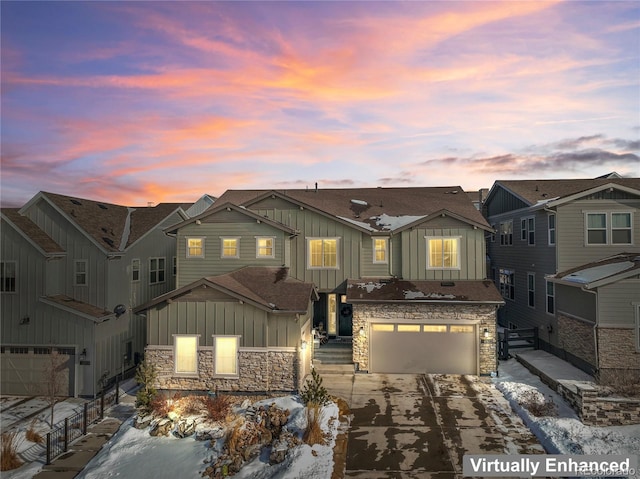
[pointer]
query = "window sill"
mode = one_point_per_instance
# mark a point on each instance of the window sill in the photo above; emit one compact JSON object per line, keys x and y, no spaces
{"x":186,"y":375}
{"x":225,"y":376}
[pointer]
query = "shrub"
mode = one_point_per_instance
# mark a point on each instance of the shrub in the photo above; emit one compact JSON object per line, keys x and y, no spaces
{"x":161,"y":405}
{"x":32,"y":435}
{"x":537,"y":404}
{"x":313,"y":434}
{"x":621,"y":382}
{"x":9,"y":451}
{"x":190,"y":404}
{"x":145,"y":376}
{"x":313,"y":391}
{"x":217,"y":407}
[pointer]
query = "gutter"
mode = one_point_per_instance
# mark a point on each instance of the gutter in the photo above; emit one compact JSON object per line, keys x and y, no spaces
{"x":595,"y":328}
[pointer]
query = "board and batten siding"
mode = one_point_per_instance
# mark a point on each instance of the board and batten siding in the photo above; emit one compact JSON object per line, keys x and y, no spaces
{"x":616,"y":303}
{"x":570,"y":223}
{"x":502,"y":202}
{"x":369,"y":268}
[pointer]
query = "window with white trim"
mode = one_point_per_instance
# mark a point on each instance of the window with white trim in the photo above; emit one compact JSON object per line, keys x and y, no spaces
{"x":322,"y":253}
{"x":380,"y":249}
{"x":551,"y":224}
{"x":185,"y":353}
{"x":507,"y":283}
{"x":8,"y":272}
{"x":443,"y":253}
{"x":531,"y":289}
{"x":195,"y":247}
{"x":506,"y":233}
{"x":551,"y":297}
{"x":157,"y":270}
{"x":225,"y":355}
{"x":230,"y":247}
{"x":528,"y":230}
{"x":80,"y":272}
{"x":603,"y":228}
{"x":135,"y":270}
{"x":265,"y":247}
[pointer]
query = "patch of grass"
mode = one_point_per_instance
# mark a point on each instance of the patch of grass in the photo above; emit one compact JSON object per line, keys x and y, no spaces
{"x":537,"y":404}
{"x":313,"y":434}
{"x":32,"y":435}
{"x":9,"y":451}
{"x":217,"y":407}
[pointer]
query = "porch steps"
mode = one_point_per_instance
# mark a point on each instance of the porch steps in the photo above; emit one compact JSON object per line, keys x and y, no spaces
{"x":333,"y":368}
{"x":334,"y":357}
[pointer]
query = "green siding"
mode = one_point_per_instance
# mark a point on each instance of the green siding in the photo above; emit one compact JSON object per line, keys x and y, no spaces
{"x":616,"y":303}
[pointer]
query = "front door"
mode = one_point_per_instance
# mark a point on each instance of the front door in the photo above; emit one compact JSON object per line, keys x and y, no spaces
{"x":332,"y":314}
{"x":345,"y":323}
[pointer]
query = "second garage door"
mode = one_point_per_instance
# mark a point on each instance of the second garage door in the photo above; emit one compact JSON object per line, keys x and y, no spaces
{"x":423,"y":348}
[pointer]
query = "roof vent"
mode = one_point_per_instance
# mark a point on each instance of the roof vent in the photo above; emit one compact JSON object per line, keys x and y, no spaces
{"x":75,"y":202}
{"x":360,"y":202}
{"x":100,"y":205}
{"x":447,"y":283}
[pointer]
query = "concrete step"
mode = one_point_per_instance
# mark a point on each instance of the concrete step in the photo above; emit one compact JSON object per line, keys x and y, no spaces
{"x":324,"y":368}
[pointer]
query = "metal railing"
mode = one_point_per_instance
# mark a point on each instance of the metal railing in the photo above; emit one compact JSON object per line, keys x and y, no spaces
{"x":515,"y":339}
{"x":72,"y":427}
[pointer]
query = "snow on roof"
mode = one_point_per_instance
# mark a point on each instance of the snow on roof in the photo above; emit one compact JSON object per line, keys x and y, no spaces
{"x":361,"y":224}
{"x":421,"y":295}
{"x":596,"y":273}
{"x":384,"y":221}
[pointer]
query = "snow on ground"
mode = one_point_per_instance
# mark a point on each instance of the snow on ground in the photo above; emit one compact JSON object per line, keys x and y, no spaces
{"x":564,"y":433}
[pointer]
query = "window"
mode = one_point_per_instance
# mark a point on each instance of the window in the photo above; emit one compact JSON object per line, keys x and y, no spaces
{"x":531,"y":289}
{"x":229,"y":248}
{"x":8,"y":273}
{"x":323,"y":253}
{"x":493,"y":233}
{"x":80,"y":272}
{"x":135,"y":270}
{"x":225,"y":351}
{"x":551,"y":297}
{"x":408,"y":328}
{"x":186,"y":354}
{"x":552,"y":229}
{"x":435,"y":328}
{"x":386,"y":328}
{"x":156,"y":270}
{"x":507,"y":283}
{"x":461,"y":328}
{"x":174,"y":263}
{"x":380,"y":247}
{"x":195,"y":247}
{"x":264,"y":248}
{"x":528,"y":230}
{"x":443,"y":253}
{"x":506,"y":233}
{"x":608,"y":228}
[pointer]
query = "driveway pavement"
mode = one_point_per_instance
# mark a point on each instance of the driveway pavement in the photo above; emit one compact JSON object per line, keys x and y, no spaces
{"x":414,"y":426}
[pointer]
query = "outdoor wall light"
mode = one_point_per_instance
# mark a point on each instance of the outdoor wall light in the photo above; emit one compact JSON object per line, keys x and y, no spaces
{"x":486,"y":333}
{"x":25,"y":320}
{"x":83,"y":354}
{"x":361,"y":332}
{"x":303,"y":345}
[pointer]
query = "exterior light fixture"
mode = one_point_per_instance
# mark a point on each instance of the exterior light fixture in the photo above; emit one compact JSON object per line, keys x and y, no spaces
{"x":486,"y":333}
{"x":83,"y":354}
{"x":361,"y":332}
{"x":303,"y":345}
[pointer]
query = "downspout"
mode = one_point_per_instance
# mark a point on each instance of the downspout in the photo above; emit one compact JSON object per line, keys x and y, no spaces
{"x":595,"y":329}
{"x":391,"y":255}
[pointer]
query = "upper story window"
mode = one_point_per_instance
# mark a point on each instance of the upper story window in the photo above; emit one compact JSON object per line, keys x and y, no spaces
{"x":156,"y":270}
{"x":608,"y":228}
{"x":230,"y":247}
{"x":185,"y":353}
{"x":380,"y":250}
{"x":81,"y":269}
{"x":195,"y":247}
{"x":506,"y":233}
{"x":264,"y":247}
{"x":551,"y":219}
{"x":443,"y":253}
{"x":507,"y":283}
{"x":322,"y":252}
{"x":8,"y":276}
{"x":528,"y":230}
{"x":135,"y":270}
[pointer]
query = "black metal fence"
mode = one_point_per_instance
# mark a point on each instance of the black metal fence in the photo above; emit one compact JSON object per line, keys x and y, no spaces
{"x":72,"y":427}
{"x":516,"y":338}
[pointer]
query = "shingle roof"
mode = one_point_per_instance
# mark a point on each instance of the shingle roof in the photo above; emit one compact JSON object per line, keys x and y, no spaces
{"x":86,"y":310}
{"x":33,"y":232}
{"x":533,"y":191}
{"x":367,"y":205}
{"x":398,"y":290}
{"x":602,"y":271}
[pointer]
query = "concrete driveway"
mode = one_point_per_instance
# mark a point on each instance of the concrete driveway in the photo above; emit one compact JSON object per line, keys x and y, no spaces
{"x":414,"y":426}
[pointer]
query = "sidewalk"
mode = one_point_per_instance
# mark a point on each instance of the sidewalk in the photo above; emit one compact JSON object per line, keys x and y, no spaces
{"x":69,"y":464}
{"x":551,"y":369}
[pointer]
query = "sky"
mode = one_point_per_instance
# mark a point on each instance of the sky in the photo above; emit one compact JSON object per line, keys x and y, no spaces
{"x":146,"y":102}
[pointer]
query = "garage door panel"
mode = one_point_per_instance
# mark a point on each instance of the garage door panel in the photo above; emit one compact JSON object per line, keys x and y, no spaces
{"x":425,"y":351}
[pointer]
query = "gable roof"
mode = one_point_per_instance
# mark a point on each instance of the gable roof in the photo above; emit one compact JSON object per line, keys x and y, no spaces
{"x":32,"y":233}
{"x":373,"y":209}
{"x":601,"y":272}
{"x":398,"y":291}
{"x":267,"y":288}
{"x":534,"y":192}
{"x":113,"y":228}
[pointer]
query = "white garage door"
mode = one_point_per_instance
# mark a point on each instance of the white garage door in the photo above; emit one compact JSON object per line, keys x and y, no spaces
{"x":423,"y":348}
{"x":24,"y":370}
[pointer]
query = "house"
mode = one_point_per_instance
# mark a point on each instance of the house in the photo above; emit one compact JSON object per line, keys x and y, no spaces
{"x":397,"y":265}
{"x":549,"y":230}
{"x":71,"y":271}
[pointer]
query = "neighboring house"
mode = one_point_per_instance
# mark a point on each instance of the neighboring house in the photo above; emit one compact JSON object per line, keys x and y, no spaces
{"x":71,"y":271}
{"x":544,"y":227}
{"x":403,"y":266}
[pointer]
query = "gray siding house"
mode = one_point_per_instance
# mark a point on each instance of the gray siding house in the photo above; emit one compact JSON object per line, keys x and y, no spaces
{"x":545,"y":231}
{"x":71,"y":271}
{"x":373,"y":266}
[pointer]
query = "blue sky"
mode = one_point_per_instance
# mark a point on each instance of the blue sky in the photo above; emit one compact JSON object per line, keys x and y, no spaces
{"x":137,"y":102}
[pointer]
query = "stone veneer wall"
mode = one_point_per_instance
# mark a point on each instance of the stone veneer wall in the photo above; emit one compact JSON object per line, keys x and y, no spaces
{"x":484,"y":314}
{"x":576,"y":337}
{"x":261,"y":370}
{"x":617,"y":353}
